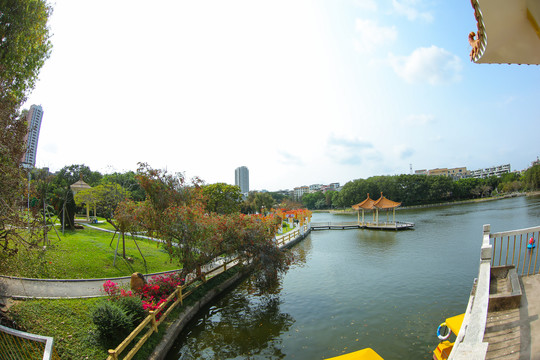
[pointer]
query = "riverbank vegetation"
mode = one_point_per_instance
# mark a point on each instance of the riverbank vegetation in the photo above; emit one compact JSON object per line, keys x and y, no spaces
{"x":413,"y":190}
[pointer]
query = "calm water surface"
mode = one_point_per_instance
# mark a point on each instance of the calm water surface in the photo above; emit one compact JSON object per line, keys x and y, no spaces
{"x":352,"y":289}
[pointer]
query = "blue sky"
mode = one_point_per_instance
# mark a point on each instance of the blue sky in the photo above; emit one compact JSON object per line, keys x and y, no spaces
{"x":301,"y":92}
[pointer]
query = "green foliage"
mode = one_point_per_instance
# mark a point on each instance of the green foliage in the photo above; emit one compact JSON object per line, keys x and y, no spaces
{"x":104,"y":197}
{"x":222,"y":198}
{"x":24,"y":46}
{"x":532,"y":178}
{"x":133,"y":307}
{"x":315,"y":200}
{"x":112,"y":322}
{"x":127,"y":181}
{"x":421,"y":189}
{"x":256,"y":202}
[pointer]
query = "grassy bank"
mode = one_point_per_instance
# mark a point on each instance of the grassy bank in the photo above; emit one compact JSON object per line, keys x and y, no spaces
{"x":84,"y":254}
{"x":70,"y":323}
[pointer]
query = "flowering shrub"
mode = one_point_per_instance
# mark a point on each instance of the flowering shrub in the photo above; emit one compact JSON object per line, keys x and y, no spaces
{"x":112,"y":289}
{"x":152,"y":294}
{"x":161,"y":286}
{"x":152,"y":306}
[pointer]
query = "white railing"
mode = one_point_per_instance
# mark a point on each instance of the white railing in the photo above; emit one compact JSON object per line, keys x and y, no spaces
{"x":470,"y":340}
{"x":15,"y":343}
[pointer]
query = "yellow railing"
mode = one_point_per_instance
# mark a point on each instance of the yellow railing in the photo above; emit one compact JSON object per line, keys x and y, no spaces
{"x":16,"y":344}
{"x":177,"y":297}
{"x":510,"y":248}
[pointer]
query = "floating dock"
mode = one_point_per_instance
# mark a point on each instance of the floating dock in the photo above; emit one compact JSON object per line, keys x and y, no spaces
{"x":359,"y":225}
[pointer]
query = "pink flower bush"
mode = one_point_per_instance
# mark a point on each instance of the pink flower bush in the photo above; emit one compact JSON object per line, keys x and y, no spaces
{"x":112,"y":289}
{"x":153,"y":294}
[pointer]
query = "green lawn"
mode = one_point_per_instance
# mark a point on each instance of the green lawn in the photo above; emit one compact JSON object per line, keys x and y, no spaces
{"x":69,"y":322}
{"x":84,"y":254}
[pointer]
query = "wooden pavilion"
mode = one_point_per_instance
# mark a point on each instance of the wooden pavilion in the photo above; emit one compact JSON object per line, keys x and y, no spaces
{"x":375,"y":205}
{"x":79,"y":186}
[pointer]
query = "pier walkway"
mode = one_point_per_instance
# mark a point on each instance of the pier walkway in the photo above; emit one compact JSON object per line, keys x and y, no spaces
{"x":398,"y":225}
{"x":512,"y":332}
{"x":515,"y":333}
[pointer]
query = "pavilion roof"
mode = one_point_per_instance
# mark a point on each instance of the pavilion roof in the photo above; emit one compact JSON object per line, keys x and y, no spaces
{"x":79,"y":185}
{"x":384,"y":203}
{"x":381,"y":203}
{"x":366,"y":204}
{"x":508,"y":32}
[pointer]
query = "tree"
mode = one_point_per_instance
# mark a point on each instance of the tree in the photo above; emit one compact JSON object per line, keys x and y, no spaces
{"x":222,"y":198}
{"x":128,"y":181}
{"x":532,"y":178}
{"x":176,"y":212}
{"x":104,"y":198}
{"x":24,"y":47}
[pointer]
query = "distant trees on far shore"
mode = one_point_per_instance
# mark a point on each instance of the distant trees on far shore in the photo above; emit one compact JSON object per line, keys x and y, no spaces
{"x":421,"y":189}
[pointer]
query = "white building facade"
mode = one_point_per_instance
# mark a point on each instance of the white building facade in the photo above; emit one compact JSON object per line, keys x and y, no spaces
{"x":241,"y":179}
{"x":33,"y":118}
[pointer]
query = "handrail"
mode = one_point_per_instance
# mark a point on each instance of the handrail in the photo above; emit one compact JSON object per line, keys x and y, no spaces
{"x":470,"y":340}
{"x":510,"y":248}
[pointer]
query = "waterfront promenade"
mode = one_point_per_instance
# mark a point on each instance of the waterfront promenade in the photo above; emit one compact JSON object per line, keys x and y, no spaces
{"x":515,"y":333}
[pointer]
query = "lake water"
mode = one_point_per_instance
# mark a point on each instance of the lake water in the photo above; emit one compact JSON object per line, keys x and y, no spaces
{"x":352,"y":289}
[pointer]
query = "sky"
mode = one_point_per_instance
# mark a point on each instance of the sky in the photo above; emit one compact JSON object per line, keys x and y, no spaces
{"x":300,"y":91}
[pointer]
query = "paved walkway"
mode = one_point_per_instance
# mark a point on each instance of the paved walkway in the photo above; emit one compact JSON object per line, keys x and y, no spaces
{"x":515,"y":334}
{"x":21,"y":288}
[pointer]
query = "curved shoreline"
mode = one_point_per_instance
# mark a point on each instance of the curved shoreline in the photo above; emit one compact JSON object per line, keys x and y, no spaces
{"x":425,"y":206}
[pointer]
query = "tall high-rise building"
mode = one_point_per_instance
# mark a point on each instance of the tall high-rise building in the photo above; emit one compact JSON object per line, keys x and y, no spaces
{"x":33,"y":118}
{"x":241,"y":179}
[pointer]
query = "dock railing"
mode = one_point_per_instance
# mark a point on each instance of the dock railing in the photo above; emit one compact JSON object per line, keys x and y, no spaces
{"x":510,"y":248}
{"x":470,"y":340}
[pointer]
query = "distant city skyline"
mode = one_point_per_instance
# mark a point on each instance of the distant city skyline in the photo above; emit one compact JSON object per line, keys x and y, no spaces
{"x":33,"y":118}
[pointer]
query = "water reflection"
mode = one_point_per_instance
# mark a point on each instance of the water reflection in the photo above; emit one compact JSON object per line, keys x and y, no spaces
{"x":248,"y":326}
{"x":352,"y":289}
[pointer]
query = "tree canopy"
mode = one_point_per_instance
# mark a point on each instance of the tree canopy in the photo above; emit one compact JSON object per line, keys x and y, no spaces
{"x":24,"y":47}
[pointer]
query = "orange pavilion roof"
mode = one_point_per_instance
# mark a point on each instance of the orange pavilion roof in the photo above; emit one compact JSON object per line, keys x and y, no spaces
{"x":366,"y":204}
{"x":381,"y":203}
{"x":384,"y":203}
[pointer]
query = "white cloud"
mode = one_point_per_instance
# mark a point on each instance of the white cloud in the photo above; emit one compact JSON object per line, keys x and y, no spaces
{"x":289,"y":159}
{"x":404,"y":152}
{"x":372,"y":35}
{"x":348,"y":151}
{"x":418,"y":119}
{"x":407,"y":9}
{"x":432,"y":65}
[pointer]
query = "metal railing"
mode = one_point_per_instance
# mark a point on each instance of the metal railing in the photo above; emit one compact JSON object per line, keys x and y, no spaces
{"x":510,"y":248}
{"x":15,"y":344}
